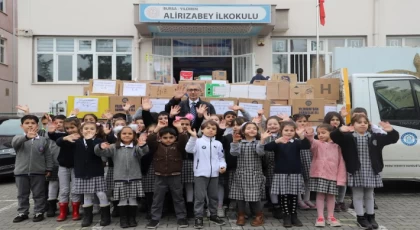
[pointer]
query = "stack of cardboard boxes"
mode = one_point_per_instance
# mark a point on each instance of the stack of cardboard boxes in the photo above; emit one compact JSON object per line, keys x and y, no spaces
{"x":281,"y":94}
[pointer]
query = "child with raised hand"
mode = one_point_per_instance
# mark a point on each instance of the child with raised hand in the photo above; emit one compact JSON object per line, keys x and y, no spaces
{"x":209,"y":161}
{"x":167,"y":162}
{"x":301,"y":121}
{"x":125,"y":153}
{"x":287,"y":181}
{"x":33,"y":163}
{"x":327,"y":172}
{"x":362,"y":153}
{"x":89,"y":172}
{"x":249,"y":182}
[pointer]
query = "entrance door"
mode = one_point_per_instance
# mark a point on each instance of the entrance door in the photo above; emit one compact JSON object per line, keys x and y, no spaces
{"x":159,"y":68}
{"x":243,"y":67}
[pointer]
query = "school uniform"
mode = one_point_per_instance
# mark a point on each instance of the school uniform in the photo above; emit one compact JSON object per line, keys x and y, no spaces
{"x":269,"y":162}
{"x":231,"y":162}
{"x":306,"y":159}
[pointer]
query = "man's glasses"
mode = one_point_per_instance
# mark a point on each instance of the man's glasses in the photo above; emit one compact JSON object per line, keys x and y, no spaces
{"x":193,"y":90}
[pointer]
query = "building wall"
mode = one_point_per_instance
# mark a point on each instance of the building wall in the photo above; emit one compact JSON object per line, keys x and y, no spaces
{"x":8,"y":93}
{"x":108,"y":18}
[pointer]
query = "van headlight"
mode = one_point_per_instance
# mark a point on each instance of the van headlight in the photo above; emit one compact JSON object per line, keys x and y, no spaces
{"x":7,"y":151}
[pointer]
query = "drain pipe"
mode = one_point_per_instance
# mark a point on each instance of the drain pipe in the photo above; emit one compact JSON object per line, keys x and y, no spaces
{"x":14,"y":61}
{"x":140,"y":38}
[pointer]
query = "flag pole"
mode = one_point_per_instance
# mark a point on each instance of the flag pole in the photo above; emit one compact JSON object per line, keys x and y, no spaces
{"x":317,"y":38}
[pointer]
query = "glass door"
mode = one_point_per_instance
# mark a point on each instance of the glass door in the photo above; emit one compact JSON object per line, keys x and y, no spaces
{"x":243,"y":68}
{"x":159,"y":68}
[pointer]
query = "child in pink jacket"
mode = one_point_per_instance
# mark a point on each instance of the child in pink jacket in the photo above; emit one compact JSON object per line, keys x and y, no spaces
{"x":327,"y":172}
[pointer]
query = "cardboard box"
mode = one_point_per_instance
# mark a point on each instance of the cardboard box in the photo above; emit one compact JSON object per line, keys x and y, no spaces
{"x":275,"y":89}
{"x":161,"y":90}
{"x":313,"y":107}
{"x":301,"y":91}
{"x":278,"y":102}
{"x":201,"y":83}
{"x":103,"y":87}
{"x":325,"y":88}
{"x":133,"y":89}
{"x":291,"y":78}
{"x":221,"y":105}
{"x":219,"y":75}
{"x":186,"y":75}
{"x":217,"y":90}
{"x":116,"y":104}
{"x":86,"y":91}
{"x":253,"y":105}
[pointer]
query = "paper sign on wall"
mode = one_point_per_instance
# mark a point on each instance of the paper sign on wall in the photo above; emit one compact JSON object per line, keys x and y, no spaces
{"x":86,"y":104}
{"x":330,"y":108}
{"x":106,"y":87}
{"x":158,"y":105}
{"x":251,"y":108}
{"x":280,"y":109}
{"x":134,"y":89}
{"x":221,"y":106}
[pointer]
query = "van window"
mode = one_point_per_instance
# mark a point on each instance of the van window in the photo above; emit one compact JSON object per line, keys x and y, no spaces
{"x":396,"y":100}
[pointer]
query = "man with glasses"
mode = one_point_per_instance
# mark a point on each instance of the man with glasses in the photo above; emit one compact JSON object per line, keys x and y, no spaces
{"x":190,"y":105}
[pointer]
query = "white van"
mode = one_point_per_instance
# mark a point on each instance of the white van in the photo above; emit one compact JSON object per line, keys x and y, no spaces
{"x":394,"y":98}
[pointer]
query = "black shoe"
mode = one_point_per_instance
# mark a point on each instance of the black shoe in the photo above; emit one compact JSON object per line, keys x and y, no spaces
{"x":132,"y":213}
{"x":123,"y":211}
{"x":152,"y":224}
{"x":105,"y":216}
{"x":38,"y":217}
{"x":198,"y":223}
{"x":183,"y":223}
{"x":277,"y":212}
{"x":372,"y":221}
{"x":363,"y":222}
{"x":115,"y":210}
{"x":142,"y":205}
{"x":52,"y":208}
{"x":87,"y":216}
{"x":287,"y":221}
{"x":20,"y":217}
{"x":190,"y":209}
{"x":295,"y":220}
{"x":217,"y":220}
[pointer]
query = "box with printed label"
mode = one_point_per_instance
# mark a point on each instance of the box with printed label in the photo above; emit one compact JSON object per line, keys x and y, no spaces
{"x":301,"y":91}
{"x":313,"y":107}
{"x":286,"y":77}
{"x":161,"y":90}
{"x":116,"y":104}
{"x":325,"y":88}
{"x":219,"y":75}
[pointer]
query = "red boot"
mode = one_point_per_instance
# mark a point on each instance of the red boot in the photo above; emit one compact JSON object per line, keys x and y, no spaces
{"x":76,"y":215}
{"x":63,"y":212}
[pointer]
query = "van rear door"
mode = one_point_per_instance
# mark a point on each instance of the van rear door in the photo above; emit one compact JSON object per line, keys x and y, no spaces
{"x":396,"y":99}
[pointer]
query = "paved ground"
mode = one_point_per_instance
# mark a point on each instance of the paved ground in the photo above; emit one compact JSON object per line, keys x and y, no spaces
{"x":398,"y":209}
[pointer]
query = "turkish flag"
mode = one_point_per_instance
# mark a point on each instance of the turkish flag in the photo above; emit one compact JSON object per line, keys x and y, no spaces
{"x":321,"y":12}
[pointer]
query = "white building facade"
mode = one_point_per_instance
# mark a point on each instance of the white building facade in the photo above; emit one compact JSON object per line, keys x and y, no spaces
{"x":63,"y":44}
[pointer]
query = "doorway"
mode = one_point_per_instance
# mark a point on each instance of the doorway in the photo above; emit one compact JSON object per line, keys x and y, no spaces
{"x":202,"y":66}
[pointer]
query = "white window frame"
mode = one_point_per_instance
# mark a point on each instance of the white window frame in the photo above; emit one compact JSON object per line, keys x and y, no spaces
{"x":4,"y":7}
{"x":401,"y":39}
{"x":324,"y":51}
{"x":77,"y":52}
{"x":3,"y":54}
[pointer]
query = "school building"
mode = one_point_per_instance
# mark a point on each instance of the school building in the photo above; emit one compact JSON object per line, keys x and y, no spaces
{"x":63,"y":44}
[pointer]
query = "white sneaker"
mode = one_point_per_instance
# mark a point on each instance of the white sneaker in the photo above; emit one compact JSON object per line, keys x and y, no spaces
{"x":221,"y":212}
{"x":333,"y":222}
{"x":320,"y":222}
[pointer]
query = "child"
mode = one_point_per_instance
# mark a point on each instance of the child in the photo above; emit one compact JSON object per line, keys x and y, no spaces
{"x":140,"y":123}
{"x":126,"y":154}
{"x":249,"y":182}
{"x":89,"y":172}
{"x":306,"y":159}
{"x":33,"y":162}
{"x":148,"y":180}
{"x":66,"y":168}
{"x":362,"y":153}
{"x":287,"y":180}
{"x":272,"y":126}
{"x":327,"y":171}
{"x":167,"y":162}
{"x":208,"y":162}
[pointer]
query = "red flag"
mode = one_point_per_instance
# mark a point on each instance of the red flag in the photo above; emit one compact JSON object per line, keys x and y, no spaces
{"x":321,"y":12}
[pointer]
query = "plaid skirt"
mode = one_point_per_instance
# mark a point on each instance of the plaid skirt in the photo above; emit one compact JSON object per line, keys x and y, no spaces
{"x":187,"y":174}
{"x":269,"y":171}
{"x":323,"y":186}
{"x":306,"y":160}
{"x":110,"y":178}
{"x":92,"y":185}
{"x":287,"y":184}
{"x":230,"y":175}
{"x":148,"y":181}
{"x":248,"y":186}
{"x":54,"y":175}
{"x":125,"y":190}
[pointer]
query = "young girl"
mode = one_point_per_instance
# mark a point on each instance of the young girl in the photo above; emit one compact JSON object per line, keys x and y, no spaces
{"x":327,"y":171}
{"x":287,"y":180}
{"x":306,"y":158}
{"x":249,"y":182}
{"x":362,"y":153}
{"x":148,"y":172}
{"x":272,"y":126}
{"x":89,"y":172}
{"x":125,"y":153}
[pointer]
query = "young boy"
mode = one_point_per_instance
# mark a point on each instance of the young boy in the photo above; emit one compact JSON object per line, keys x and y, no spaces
{"x":33,"y":162}
{"x":209,"y":161}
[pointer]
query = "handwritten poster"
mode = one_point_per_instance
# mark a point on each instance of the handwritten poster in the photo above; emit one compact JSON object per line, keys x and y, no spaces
{"x":280,"y":109}
{"x":329,"y":108}
{"x":221,"y":106}
{"x":134,"y":89}
{"x":86,"y":104}
{"x":103,"y":86}
{"x":251,"y":108}
{"x":158,"y":105}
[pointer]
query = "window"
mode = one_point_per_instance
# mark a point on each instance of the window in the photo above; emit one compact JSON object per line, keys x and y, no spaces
{"x":78,"y":60}
{"x":411,"y":41}
{"x":2,"y":51}
{"x":3,"y":5}
{"x":396,"y":100}
{"x":298,"y":55}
